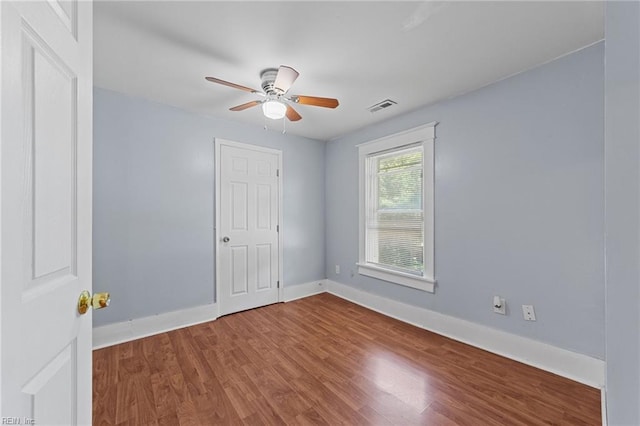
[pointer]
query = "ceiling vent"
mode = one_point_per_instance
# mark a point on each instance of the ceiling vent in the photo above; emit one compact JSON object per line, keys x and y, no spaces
{"x":382,"y":105}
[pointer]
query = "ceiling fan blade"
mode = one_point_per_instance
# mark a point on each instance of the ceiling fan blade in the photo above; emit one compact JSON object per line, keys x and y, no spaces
{"x":292,"y":114}
{"x":285,"y":78}
{"x":245,"y":106}
{"x":235,"y":86}
{"x":316,"y":101}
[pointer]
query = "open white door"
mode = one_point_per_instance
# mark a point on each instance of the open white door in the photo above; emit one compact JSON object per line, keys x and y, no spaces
{"x":248,"y":189}
{"x":45,"y":200}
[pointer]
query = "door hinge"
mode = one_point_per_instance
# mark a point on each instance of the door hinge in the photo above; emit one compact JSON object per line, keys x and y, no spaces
{"x":277,"y":228}
{"x":278,"y":284}
{"x":277,"y":172}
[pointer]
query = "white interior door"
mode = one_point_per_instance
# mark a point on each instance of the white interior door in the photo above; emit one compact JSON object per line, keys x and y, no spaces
{"x":45,"y":199}
{"x":248,"y":216}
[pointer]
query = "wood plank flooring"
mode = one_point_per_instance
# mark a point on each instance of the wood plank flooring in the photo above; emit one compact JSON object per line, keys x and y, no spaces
{"x":324,"y":360}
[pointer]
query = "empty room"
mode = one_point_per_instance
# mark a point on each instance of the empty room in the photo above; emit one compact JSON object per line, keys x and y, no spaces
{"x":320,"y":212}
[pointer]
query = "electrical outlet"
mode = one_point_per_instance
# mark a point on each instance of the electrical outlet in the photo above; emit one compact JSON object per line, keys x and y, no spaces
{"x":337,"y":269}
{"x":499,"y":305}
{"x":528,"y":313}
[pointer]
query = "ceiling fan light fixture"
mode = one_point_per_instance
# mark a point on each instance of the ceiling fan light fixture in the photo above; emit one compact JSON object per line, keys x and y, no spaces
{"x":276,"y":101}
{"x":274,"y":110}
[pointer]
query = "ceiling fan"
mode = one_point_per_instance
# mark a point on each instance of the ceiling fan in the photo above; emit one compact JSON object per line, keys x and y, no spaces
{"x":276,"y":102}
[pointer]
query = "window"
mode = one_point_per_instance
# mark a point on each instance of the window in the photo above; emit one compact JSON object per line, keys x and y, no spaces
{"x":396,"y":208}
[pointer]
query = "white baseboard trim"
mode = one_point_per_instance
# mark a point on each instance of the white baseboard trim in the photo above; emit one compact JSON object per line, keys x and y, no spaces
{"x":303,"y":290}
{"x":574,"y":366}
{"x":113,"y":334}
{"x":578,"y":367}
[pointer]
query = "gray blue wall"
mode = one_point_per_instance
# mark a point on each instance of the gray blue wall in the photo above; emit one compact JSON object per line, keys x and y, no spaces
{"x":154,"y":205}
{"x":519,"y":203}
{"x":622,"y":143}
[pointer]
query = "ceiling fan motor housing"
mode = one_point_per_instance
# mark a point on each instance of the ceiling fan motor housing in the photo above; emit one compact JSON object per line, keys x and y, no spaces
{"x":268,"y":77}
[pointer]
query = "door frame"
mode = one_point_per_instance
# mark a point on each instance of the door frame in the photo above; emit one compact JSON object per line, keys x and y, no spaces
{"x":218,"y":143}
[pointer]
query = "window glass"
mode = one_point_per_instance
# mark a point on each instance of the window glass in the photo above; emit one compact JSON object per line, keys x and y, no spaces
{"x":395,"y":231}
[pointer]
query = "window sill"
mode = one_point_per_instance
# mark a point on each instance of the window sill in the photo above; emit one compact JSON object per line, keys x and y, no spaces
{"x":407,"y":280}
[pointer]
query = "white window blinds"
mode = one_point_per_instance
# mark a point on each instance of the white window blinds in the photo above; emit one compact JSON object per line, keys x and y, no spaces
{"x":394,"y":212}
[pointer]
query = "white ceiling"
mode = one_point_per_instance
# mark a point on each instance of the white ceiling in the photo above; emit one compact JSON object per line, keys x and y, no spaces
{"x":414,"y":53}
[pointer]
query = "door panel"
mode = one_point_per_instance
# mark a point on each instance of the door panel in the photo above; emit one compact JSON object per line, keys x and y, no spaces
{"x":50,"y":96}
{"x":239,"y":204}
{"x":247,"y":195}
{"x":45,"y":192}
{"x":264,"y":263}
{"x":240,"y":267}
{"x":263,"y":207}
{"x":52,"y":389}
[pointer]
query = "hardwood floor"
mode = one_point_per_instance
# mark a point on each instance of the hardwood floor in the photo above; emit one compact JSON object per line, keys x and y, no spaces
{"x":323,"y":360}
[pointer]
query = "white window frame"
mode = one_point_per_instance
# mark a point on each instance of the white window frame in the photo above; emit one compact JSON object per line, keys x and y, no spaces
{"x":424,"y":135}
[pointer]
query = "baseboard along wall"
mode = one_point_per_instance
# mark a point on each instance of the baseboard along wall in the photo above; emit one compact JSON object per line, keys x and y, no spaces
{"x":572,"y":365}
{"x":578,"y":367}
{"x":125,"y":331}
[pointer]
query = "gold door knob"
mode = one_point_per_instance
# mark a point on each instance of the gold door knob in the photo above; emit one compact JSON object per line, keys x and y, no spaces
{"x":98,"y":301}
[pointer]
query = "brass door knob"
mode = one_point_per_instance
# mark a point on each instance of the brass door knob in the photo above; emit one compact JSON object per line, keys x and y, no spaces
{"x":98,"y":301}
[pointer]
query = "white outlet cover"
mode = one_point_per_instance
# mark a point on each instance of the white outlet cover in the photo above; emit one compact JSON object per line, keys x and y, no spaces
{"x":528,"y":313}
